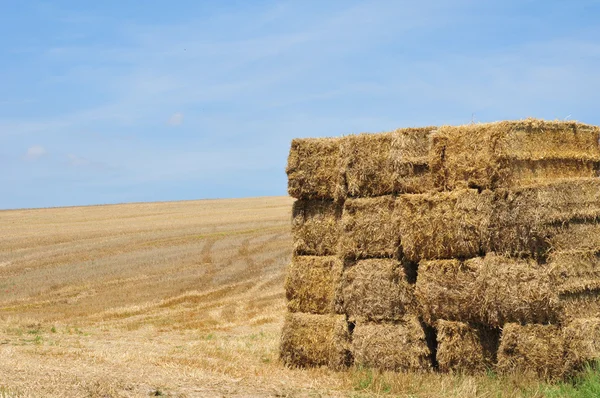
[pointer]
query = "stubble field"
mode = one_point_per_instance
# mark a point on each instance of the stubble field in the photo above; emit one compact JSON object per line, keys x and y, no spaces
{"x":178,"y":299}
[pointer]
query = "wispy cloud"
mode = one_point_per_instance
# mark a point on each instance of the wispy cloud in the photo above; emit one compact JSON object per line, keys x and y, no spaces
{"x":176,"y":119}
{"x":35,"y":152}
{"x":237,"y":83}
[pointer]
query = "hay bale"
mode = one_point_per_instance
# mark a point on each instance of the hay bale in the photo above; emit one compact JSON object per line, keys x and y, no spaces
{"x":313,"y":168}
{"x":582,"y":339}
{"x":387,"y":163}
{"x":443,"y":225}
{"x":311,"y":284}
{"x":575,"y":276}
{"x":377,"y":290}
{"x":315,"y":340}
{"x":575,"y":237}
{"x":445,"y":289}
{"x":367,"y":165}
{"x":316,"y":227}
{"x":533,"y":349}
{"x":399,"y":346}
{"x":512,"y":153}
{"x":575,"y":270}
{"x":464,"y":348}
{"x":516,"y":290}
{"x":368,"y":229}
{"x":410,"y":160}
{"x":581,"y":303}
{"x":490,"y":290}
{"x":533,"y":220}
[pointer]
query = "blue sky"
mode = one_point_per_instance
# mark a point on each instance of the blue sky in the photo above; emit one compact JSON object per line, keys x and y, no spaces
{"x":121,"y":101}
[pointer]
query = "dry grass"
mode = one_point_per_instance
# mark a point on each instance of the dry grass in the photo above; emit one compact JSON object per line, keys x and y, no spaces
{"x":182,"y":299}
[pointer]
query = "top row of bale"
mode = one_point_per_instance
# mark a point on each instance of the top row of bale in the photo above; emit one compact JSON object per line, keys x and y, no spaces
{"x":418,"y":160}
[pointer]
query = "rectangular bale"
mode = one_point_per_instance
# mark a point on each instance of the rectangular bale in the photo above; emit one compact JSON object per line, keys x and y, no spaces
{"x":575,"y":236}
{"x":313,"y":168}
{"x":533,"y":349}
{"x":399,"y":346}
{"x":410,"y":159}
{"x":575,"y":276}
{"x":309,"y":340}
{"x":316,"y":227}
{"x":581,"y":303}
{"x":387,"y":163}
{"x":367,"y":164}
{"x":513,"y":153}
{"x":490,"y":290}
{"x":446,"y":289}
{"x":582,"y":339}
{"x":517,"y":290}
{"x":443,"y":225}
{"x":312,"y":282}
{"x":368,"y":229}
{"x":535,"y":219}
{"x":377,"y":290}
{"x":466,"y":349}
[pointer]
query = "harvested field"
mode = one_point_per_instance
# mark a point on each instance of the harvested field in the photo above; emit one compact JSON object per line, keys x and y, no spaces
{"x":316,"y":227}
{"x":311,"y":284}
{"x":466,"y":349}
{"x":513,"y":153}
{"x":377,"y":290}
{"x":367,"y":230}
{"x":183,"y":299}
{"x":443,"y":225}
{"x":399,"y":346}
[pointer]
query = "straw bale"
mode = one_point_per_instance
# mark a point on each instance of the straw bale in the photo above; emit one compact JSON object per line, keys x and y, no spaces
{"x":575,"y":271}
{"x":368,"y":228}
{"x":490,"y":290}
{"x":377,"y":290}
{"x":535,"y":219}
{"x":410,"y":159}
{"x":579,"y":304}
{"x":516,"y":290}
{"x":464,"y":348}
{"x":444,"y":225}
{"x":575,"y":237}
{"x":512,"y":153}
{"x":313,"y":168}
{"x":316,"y":227}
{"x":312,"y":282}
{"x":386,"y":163}
{"x":315,"y":340}
{"x":399,"y":346}
{"x":582,"y":339}
{"x":575,"y":277}
{"x":445,"y":289}
{"x":367,"y":164}
{"x":533,"y":349}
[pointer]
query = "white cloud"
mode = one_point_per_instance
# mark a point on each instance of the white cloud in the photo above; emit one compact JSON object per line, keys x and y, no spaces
{"x":35,"y":152}
{"x":75,"y":160}
{"x":176,"y":119}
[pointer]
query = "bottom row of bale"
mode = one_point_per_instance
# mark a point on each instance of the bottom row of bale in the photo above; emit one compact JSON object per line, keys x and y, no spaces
{"x":408,"y":344}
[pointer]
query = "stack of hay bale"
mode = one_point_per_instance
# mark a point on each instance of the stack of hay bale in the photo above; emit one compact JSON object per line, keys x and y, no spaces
{"x":459,"y":248}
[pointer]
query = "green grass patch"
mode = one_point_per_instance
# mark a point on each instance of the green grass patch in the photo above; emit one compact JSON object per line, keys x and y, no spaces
{"x":586,"y":385}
